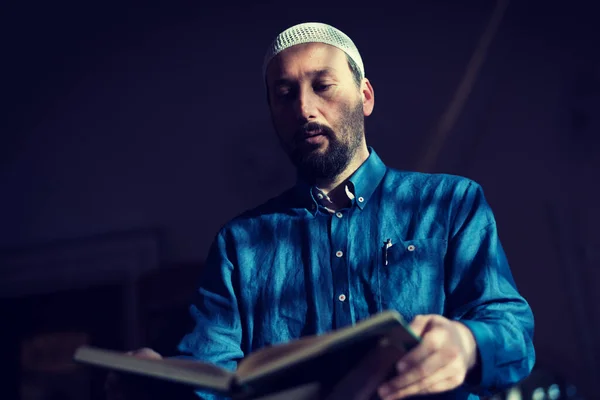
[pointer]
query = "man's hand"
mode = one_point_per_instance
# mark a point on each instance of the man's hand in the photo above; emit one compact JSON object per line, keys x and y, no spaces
{"x":441,"y":361}
{"x":119,"y":388}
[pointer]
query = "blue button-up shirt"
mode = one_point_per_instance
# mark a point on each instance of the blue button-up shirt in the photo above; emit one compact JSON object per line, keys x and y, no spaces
{"x":291,"y":268}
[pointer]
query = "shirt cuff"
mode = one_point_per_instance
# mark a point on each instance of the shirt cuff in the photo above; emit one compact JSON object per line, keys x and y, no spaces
{"x":481,"y":378}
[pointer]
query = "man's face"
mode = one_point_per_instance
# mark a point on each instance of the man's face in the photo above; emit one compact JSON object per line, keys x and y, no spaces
{"x":316,"y":108}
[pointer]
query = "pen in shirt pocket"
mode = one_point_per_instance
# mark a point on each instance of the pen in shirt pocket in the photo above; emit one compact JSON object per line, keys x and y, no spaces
{"x":387,"y":244}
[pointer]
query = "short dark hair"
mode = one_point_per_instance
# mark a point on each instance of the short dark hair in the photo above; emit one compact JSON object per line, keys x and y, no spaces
{"x":355,"y":71}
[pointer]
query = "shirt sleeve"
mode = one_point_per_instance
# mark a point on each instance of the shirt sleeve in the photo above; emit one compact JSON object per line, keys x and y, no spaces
{"x":482,"y":294}
{"x":216,"y":337}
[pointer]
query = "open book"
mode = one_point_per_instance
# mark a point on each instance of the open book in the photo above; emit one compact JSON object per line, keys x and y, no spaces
{"x":326,"y":359}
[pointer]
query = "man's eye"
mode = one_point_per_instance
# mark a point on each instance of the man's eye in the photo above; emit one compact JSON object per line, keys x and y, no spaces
{"x":322,"y":87}
{"x":283,"y":92}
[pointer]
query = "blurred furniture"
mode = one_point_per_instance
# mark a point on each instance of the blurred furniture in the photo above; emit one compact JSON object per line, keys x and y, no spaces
{"x":56,"y":296}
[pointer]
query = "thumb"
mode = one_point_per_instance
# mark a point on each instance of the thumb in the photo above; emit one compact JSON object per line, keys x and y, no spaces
{"x":420,"y":324}
{"x":145,"y":353}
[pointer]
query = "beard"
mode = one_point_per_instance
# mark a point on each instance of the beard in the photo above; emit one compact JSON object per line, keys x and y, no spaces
{"x":313,"y":164}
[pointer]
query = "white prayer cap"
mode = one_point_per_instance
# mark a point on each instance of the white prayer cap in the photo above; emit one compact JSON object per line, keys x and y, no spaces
{"x":314,"y":32}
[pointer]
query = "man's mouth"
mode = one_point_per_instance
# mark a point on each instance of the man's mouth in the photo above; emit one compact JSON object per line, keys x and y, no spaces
{"x":313,"y":133}
{"x":314,"y":137}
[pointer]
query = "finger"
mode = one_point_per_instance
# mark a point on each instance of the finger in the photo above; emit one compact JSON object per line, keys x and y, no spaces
{"x":416,"y":373}
{"x":118,"y":387}
{"x":433,"y":341}
{"x":428,"y":357}
{"x":409,"y":364}
{"x":145,"y":352}
{"x":419,"y":324}
{"x":444,"y":385}
{"x":444,"y":379}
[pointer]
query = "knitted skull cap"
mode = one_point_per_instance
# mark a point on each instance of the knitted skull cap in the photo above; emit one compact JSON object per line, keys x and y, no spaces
{"x":313,"y":32}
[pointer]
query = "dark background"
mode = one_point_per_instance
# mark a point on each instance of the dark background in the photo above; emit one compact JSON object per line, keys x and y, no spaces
{"x":131,"y":132}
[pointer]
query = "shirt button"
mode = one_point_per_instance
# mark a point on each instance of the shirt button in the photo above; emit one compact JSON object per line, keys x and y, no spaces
{"x":411,"y":247}
{"x":342,"y":297}
{"x":360,"y":199}
{"x":339,"y":214}
{"x":339,"y":253}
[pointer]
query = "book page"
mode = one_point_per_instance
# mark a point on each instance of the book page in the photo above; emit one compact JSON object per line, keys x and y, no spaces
{"x":267,"y":355}
{"x":279,"y":357}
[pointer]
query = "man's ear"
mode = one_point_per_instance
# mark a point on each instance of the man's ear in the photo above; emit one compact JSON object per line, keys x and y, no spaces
{"x":368,"y":97}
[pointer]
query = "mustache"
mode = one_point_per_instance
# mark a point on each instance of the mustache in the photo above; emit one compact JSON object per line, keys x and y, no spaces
{"x":312,"y":128}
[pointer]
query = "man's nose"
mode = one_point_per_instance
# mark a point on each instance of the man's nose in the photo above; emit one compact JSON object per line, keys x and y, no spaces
{"x":306,"y":105}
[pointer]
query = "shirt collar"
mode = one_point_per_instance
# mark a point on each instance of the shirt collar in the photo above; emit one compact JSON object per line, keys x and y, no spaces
{"x":325,"y":201}
{"x":367,"y":177}
{"x":361,"y":185}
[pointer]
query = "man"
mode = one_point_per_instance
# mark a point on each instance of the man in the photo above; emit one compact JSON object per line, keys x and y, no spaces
{"x":354,"y":237}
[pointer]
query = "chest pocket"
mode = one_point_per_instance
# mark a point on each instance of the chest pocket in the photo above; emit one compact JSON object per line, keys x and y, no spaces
{"x":412,"y":282}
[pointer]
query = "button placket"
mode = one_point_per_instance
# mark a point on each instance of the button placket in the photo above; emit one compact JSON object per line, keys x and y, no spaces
{"x":340,"y":265}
